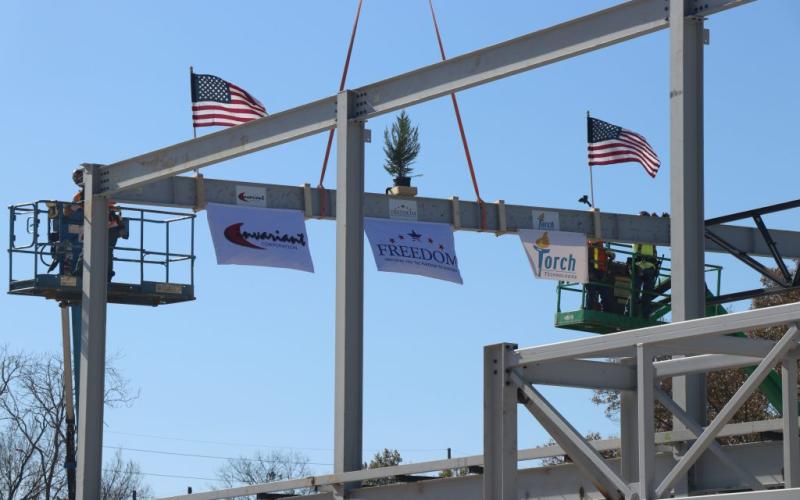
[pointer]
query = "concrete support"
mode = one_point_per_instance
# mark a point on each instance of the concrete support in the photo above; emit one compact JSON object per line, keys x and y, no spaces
{"x":791,"y":440}
{"x":349,"y":287}
{"x":93,"y":341}
{"x":499,"y":424}
{"x":686,"y":199}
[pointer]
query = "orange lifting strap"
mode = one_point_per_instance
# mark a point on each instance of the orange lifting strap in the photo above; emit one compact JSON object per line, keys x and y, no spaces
{"x":323,"y":192}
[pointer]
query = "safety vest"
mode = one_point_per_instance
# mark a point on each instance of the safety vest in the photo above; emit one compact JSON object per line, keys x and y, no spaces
{"x":645,"y":254}
{"x":599,"y":257}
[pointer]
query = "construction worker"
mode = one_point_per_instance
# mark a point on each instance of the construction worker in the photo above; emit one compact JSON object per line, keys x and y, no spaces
{"x":645,"y":272}
{"x":74,"y":213}
{"x":598,"y":290}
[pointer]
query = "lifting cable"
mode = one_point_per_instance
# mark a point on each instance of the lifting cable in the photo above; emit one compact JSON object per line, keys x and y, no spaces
{"x":323,"y":195}
{"x":460,"y":126}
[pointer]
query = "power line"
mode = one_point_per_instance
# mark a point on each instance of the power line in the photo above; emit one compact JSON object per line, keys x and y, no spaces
{"x":228,"y":443}
{"x":214,"y":457}
{"x":174,"y":476}
{"x":254,"y":445}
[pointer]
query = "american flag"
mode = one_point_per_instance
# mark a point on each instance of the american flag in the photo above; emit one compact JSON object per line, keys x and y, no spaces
{"x":612,"y":144}
{"x":217,"y":102}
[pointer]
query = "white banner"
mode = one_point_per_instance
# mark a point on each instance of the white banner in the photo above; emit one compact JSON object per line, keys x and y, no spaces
{"x":556,"y":255}
{"x":423,"y":248}
{"x":259,"y":236}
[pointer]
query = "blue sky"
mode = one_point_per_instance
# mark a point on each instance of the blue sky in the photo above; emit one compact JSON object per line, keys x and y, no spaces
{"x":249,"y":365}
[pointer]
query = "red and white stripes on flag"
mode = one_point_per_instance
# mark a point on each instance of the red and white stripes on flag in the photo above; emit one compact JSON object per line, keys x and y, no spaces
{"x":612,"y":144}
{"x":218,"y":102}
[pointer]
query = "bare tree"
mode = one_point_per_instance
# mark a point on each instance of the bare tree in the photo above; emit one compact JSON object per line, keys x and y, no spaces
{"x":121,"y":479}
{"x":265,"y":467}
{"x":721,"y":385}
{"x":33,"y":424}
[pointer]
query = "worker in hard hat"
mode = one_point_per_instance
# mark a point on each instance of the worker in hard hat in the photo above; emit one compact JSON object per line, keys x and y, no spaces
{"x":645,"y":272}
{"x":598,"y":290}
{"x":74,"y":212}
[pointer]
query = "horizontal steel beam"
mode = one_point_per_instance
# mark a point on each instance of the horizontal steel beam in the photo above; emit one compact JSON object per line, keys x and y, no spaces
{"x":182,"y":192}
{"x":719,"y":325}
{"x":702,"y":364}
{"x":216,"y":147}
{"x":736,"y":346}
{"x":580,"y":373}
{"x":620,"y":377}
{"x":572,"y":38}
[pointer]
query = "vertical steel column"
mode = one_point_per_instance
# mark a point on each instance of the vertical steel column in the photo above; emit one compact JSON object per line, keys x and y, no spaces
{"x":645,"y":410}
{"x":349,"y":286}
{"x":686,"y":193}
{"x":499,"y":425}
{"x":628,"y":425}
{"x":791,"y":440}
{"x":93,"y":341}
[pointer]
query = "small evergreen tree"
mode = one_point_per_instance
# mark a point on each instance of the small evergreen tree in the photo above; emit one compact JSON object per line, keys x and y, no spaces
{"x":401,"y":146}
{"x":385,"y":458}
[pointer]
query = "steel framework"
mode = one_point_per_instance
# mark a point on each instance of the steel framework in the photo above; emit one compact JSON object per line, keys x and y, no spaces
{"x":627,"y":362}
{"x":347,"y":113}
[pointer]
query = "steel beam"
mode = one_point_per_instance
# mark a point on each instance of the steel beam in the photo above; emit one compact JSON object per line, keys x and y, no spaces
{"x":702,"y":364}
{"x":598,"y":346}
{"x":588,"y":460}
{"x":628,"y":427}
{"x":791,"y":439}
{"x":736,"y":346}
{"x":686,"y":194}
{"x":93,"y":341}
{"x":728,"y":411}
{"x":581,"y":373}
{"x":499,"y":424}
{"x":181,"y":192}
{"x":645,"y":421}
{"x":572,"y":38}
{"x":747,"y":477}
{"x":349,"y":364}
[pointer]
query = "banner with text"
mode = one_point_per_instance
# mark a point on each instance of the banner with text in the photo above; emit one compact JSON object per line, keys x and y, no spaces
{"x":556,"y":255}
{"x":423,"y":248}
{"x":259,"y":236}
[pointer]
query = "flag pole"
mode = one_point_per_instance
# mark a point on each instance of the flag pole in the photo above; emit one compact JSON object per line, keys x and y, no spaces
{"x":198,"y":176}
{"x":589,"y":141}
{"x":191,"y":98}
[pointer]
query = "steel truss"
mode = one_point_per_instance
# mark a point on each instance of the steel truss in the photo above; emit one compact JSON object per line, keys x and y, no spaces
{"x":627,"y":362}
{"x":784,"y":280}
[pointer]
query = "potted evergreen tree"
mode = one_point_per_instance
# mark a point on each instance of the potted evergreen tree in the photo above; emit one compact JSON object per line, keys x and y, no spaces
{"x":401,"y":146}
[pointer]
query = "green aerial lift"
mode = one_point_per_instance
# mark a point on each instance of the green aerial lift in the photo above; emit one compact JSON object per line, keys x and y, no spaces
{"x":622,"y":317}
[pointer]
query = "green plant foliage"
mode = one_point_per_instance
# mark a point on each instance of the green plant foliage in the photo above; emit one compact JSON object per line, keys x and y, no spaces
{"x":401,"y":146}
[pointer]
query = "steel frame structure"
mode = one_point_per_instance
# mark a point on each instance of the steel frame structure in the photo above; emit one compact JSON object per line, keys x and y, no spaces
{"x":626,"y":362}
{"x":347,"y":113}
